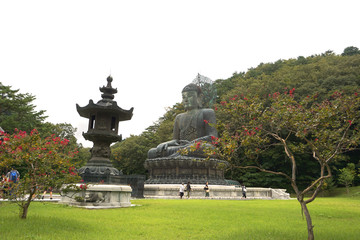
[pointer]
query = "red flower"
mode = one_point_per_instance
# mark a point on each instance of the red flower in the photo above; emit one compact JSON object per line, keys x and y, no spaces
{"x":350,"y":122}
{"x":34,"y":131}
{"x":291,"y":92}
{"x":206,"y":121}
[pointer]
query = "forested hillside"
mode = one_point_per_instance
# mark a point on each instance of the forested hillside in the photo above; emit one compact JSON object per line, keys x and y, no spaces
{"x":317,"y":75}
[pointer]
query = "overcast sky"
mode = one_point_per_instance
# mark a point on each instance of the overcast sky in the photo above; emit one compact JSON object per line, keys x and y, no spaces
{"x":63,"y":51}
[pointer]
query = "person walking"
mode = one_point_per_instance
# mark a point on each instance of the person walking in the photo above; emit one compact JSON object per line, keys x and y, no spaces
{"x":47,"y":190}
{"x":188,"y":189}
{"x":243,"y":189}
{"x":13,"y":178}
{"x":207,"y":190}
{"x":181,"y":191}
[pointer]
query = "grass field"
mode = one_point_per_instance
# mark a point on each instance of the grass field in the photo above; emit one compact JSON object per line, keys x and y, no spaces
{"x":334,"y":218}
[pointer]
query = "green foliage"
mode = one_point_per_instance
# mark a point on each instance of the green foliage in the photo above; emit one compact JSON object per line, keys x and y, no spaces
{"x":130,"y":154}
{"x":319,"y":74}
{"x":347,"y":175}
{"x":350,"y":51}
{"x":17,"y":110}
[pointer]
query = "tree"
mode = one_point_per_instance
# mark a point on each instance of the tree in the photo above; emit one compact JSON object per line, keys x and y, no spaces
{"x":347,"y":175}
{"x":322,"y":130}
{"x":130,"y":155}
{"x":349,"y":51}
{"x":43,"y":163}
{"x":17,"y":110}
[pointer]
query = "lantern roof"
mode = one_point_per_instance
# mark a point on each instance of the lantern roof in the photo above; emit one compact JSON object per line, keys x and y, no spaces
{"x":105,"y":105}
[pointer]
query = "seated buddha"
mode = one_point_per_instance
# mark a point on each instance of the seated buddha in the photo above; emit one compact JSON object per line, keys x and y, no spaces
{"x":193,"y":126}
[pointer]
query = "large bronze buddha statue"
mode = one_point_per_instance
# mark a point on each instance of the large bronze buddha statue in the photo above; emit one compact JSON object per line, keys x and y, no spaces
{"x":195,"y":125}
{"x":178,"y":160}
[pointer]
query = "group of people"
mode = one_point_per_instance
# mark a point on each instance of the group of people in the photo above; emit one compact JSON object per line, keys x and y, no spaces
{"x":10,"y":180}
{"x":184,"y":189}
{"x":187,"y":189}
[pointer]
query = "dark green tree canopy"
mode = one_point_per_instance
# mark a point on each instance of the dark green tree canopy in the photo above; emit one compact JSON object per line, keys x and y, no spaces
{"x":17,"y":110}
{"x":349,"y":51}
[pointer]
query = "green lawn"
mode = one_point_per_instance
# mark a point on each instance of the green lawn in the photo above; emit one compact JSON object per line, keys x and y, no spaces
{"x":334,"y":218}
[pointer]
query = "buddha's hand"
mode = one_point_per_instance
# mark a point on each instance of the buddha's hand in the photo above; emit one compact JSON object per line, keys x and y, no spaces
{"x":164,"y":146}
{"x":184,"y":142}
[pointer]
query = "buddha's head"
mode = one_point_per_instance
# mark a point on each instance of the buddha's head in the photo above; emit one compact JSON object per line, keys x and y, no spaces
{"x":191,"y":95}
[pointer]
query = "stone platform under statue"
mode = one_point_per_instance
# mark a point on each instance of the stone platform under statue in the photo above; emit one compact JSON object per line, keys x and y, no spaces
{"x":171,"y":191}
{"x":175,"y":170}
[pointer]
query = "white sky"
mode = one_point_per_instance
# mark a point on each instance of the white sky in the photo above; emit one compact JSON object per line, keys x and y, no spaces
{"x":63,"y":51}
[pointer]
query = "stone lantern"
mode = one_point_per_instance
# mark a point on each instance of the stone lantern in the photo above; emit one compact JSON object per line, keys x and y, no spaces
{"x":104,"y":117}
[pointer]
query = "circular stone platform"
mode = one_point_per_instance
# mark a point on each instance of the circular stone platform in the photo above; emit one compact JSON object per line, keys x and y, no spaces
{"x":180,"y":169}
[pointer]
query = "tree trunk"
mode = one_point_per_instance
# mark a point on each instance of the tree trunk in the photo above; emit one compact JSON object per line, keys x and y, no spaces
{"x":25,"y":207}
{"x":24,"y":211}
{"x":308,"y":220}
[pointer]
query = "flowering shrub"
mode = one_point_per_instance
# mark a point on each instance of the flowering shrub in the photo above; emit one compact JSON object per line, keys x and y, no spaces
{"x":44,"y":162}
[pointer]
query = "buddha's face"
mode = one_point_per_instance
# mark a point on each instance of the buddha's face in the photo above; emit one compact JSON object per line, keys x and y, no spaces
{"x":190,"y":100}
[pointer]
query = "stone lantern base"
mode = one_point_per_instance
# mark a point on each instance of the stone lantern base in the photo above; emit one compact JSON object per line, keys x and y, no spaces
{"x":99,"y":196}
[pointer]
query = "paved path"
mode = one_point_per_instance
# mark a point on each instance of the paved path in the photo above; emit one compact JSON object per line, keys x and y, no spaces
{"x":56,"y":198}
